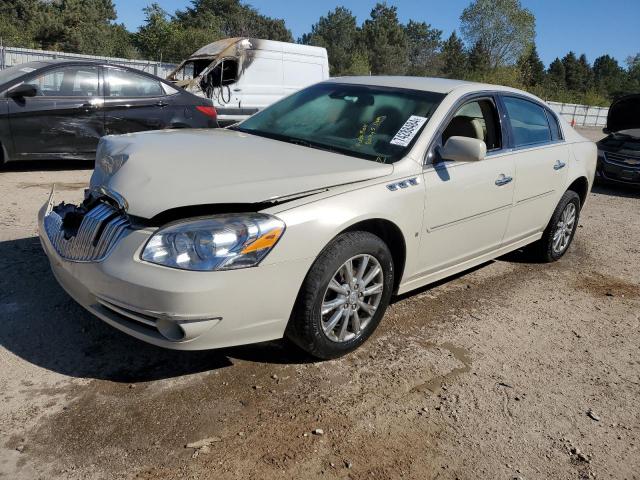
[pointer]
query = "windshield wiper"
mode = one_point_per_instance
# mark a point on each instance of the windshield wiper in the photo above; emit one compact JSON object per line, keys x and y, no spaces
{"x":307,"y":143}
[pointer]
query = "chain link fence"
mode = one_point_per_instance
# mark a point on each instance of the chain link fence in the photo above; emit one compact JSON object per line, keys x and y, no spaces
{"x":10,"y":56}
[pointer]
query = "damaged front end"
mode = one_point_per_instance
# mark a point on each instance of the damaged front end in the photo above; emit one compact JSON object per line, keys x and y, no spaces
{"x":87,"y":232}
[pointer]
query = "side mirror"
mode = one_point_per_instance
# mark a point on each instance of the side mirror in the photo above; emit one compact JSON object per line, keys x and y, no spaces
{"x":464,"y":149}
{"x":23,"y":90}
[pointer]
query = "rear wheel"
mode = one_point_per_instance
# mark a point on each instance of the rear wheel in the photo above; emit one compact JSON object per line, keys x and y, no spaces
{"x":561,"y":229}
{"x":344,"y":296}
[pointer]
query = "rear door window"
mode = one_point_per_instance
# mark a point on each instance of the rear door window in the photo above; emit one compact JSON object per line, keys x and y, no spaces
{"x":128,"y":84}
{"x":528,"y":122}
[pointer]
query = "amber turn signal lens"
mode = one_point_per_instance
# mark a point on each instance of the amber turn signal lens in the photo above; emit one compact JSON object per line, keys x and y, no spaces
{"x":267,"y":240}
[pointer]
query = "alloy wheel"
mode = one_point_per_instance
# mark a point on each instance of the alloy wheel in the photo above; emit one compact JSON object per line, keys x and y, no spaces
{"x":352,"y":298}
{"x":564,"y":229}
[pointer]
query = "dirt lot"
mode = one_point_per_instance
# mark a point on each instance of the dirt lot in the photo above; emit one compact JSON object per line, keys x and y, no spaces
{"x":513,"y":370}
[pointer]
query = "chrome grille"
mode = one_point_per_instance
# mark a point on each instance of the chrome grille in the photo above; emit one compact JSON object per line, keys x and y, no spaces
{"x":622,"y":160}
{"x":100,"y":230}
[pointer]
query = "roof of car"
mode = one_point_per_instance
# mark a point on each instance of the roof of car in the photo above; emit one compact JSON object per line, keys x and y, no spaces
{"x":428,"y":84}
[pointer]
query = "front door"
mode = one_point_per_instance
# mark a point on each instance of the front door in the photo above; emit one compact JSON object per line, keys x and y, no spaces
{"x":134,"y":102}
{"x":467,"y":204}
{"x":64,"y":120}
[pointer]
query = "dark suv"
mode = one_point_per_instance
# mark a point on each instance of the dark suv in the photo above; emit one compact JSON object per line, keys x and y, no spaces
{"x":619,"y":152}
{"x":60,"y":109}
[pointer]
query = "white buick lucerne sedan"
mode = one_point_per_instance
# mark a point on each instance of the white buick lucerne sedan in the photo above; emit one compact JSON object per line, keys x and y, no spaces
{"x":306,"y":218}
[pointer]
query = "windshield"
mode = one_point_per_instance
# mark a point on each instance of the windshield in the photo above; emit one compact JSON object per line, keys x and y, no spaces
{"x":375,"y":123}
{"x":12,"y":73}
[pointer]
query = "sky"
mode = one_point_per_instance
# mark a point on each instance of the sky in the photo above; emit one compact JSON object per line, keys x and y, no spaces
{"x":593,"y":27}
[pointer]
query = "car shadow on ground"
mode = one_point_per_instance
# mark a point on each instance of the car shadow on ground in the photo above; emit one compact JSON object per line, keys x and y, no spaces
{"x":41,"y":324}
{"x":615,"y":190}
{"x":47,"y":166}
{"x":431,"y":286}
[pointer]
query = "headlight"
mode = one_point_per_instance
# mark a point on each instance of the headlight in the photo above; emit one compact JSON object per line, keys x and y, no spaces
{"x":222,"y":242}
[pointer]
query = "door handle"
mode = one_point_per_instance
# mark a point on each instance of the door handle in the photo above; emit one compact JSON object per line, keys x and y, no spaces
{"x":161,"y":104}
{"x":503,"y":180}
{"x":558,"y":165}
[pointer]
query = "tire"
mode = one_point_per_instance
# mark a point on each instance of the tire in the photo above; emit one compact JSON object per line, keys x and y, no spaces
{"x":312,"y":330}
{"x":549,"y":248}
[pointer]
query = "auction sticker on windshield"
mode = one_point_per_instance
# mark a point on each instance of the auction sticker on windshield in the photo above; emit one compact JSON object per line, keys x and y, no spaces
{"x":408,"y":130}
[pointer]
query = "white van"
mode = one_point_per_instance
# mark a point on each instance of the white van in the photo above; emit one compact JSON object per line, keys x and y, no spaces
{"x":244,"y":75}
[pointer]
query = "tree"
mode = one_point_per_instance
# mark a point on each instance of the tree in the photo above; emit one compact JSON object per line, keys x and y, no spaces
{"x":504,"y":27}
{"x":557,"y":74}
{"x":338,"y":33}
{"x":531,"y":68}
{"x":574,"y":72}
{"x":423,"y":48}
{"x":120,"y":43}
{"x":479,"y":60}
{"x":233,"y":19}
{"x":155,"y":36}
{"x":386,"y":41}
{"x":608,"y":76}
{"x":454,"y":58}
{"x":585,"y":72}
{"x":18,"y":21}
{"x":359,"y":64}
{"x":632,"y":83}
{"x":86,"y":25}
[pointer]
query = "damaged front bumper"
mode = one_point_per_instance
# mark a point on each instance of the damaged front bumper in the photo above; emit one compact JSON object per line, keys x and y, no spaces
{"x":177,"y":309}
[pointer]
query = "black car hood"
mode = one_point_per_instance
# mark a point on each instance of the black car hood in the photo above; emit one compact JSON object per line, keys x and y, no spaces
{"x":624,"y":114}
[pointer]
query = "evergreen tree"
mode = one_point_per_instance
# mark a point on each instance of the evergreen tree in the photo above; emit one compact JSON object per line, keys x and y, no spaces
{"x":454,"y":58}
{"x":338,"y":33}
{"x":386,"y":41}
{"x":573,"y":72}
{"x":608,"y":76}
{"x":557,"y":74}
{"x":154,"y":37}
{"x":423,"y":48}
{"x":586,"y":73}
{"x":479,"y":60}
{"x":531,"y":68}
{"x":233,"y":19}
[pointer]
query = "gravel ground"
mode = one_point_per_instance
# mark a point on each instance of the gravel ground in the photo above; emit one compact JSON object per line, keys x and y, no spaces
{"x":512,"y":370}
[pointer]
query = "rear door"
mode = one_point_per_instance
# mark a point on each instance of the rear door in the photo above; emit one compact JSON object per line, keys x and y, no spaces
{"x":134,"y":102}
{"x":540,"y":157}
{"x":64,"y":120}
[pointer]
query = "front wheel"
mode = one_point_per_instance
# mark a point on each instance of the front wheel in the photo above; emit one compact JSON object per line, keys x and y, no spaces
{"x":343,"y":297}
{"x":561,"y":229}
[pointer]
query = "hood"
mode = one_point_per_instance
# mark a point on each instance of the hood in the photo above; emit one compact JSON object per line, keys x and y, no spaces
{"x":169,"y":169}
{"x":624,"y":114}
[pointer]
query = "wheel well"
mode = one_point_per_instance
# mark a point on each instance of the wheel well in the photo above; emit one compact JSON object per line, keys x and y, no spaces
{"x":392,"y":236}
{"x":581,"y":186}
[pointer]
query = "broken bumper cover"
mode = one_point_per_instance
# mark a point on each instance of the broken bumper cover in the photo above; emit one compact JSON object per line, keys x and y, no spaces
{"x":178,"y":309}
